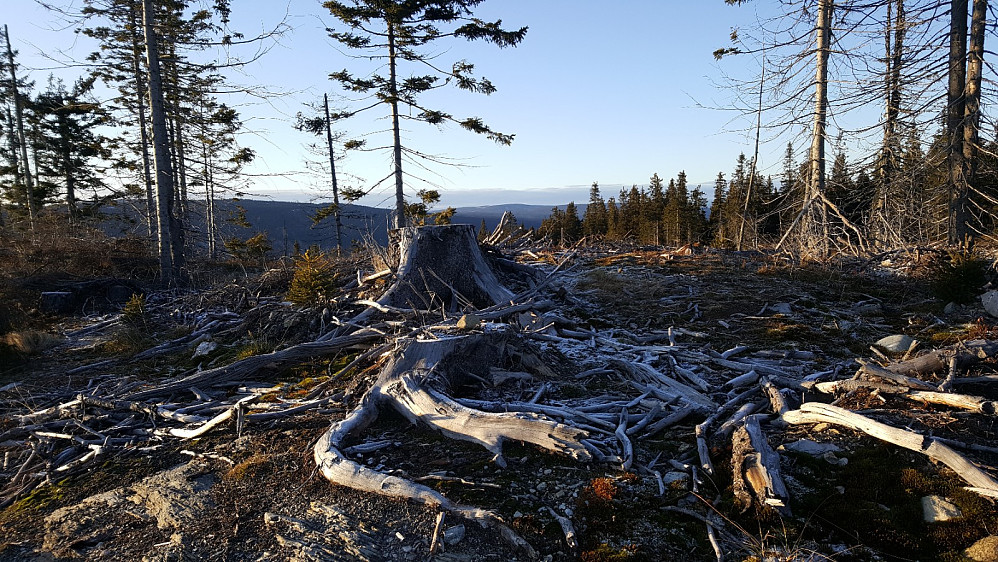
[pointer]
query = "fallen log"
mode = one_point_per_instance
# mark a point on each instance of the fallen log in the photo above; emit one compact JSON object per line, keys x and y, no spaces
{"x":756,"y":467}
{"x":815,"y":412}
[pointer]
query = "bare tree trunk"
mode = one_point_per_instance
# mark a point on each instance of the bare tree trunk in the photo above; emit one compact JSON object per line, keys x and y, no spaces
{"x":755,"y":158}
{"x":143,"y":130}
{"x":956,"y":103}
{"x":812,"y":238}
{"x":161,"y":150}
{"x":67,"y":164}
{"x":332,"y":171}
{"x":19,"y":116}
{"x":400,"y":218}
{"x":972,"y":114}
{"x":890,"y":151}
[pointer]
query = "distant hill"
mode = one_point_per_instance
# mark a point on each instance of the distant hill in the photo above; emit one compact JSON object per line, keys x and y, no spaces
{"x":287,"y":222}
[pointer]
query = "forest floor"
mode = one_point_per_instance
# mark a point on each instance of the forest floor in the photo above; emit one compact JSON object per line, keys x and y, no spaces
{"x":252,"y":492}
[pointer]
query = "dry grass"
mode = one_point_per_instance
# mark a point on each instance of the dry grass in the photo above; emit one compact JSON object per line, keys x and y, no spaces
{"x":31,"y":342}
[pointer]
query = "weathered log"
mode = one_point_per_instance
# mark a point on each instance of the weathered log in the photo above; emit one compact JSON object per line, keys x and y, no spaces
{"x":815,"y":412}
{"x":251,"y":365}
{"x":966,"y":353}
{"x":756,"y":467}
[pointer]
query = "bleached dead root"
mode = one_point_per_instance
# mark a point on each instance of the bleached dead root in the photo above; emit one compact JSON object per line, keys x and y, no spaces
{"x":404,"y":385}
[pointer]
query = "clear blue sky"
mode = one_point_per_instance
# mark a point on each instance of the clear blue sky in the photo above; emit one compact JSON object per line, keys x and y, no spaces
{"x":598,"y":91}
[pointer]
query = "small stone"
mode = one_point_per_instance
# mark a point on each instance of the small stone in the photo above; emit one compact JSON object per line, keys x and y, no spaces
{"x":781,"y":308}
{"x":670,"y":478}
{"x":568,"y":511}
{"x":895,"y":344}
{"x":517,"y":515}
{"x":542,"y":486}
{"x":867,"y":309}
{"x":951,"y":308}
{"x":204,"y":348}
{"x":830,"y":458}
{"x":468,"y":322}
{"x":454,"y":535}
{"x":813,"y":448}
{"x":821,"y":427}
{"x":990,"y":302}
{"x":984,"y":550}
{"x":936,"y":509}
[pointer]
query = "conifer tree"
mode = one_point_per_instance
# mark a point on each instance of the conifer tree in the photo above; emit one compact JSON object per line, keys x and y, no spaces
{"x":394,"y":31}
{"x":594,"y":221}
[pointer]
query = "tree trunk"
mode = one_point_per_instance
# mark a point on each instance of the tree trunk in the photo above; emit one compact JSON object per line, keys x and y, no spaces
{"x":891,"y":148}
{"x":143,"y":128}
{"x":955,"y":110}
{"x":400,"y":219}
{"x":67,"y":165}
{"x":972,"y":116}
{"x":29,"y":186}
{"x":755,"y":157}
{"x":161,"y":151}
{"x":814,"y":224}
{"x":332,"y":172}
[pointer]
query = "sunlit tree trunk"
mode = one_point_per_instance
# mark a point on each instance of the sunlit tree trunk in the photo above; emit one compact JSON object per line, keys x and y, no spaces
{"x":169,"y":268}
{"x":814,"y":224}
{"x":19,"y":117}
{"x":972,"y":112}
{"x":400,"y":218}
{"x":955,"y":110}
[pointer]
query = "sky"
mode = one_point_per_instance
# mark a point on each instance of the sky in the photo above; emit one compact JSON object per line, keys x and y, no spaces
{"x":607,"y":92}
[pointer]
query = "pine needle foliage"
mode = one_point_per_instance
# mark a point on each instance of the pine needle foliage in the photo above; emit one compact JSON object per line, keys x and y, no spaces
{"x":960,"y":277}
{"x":314,"y":279}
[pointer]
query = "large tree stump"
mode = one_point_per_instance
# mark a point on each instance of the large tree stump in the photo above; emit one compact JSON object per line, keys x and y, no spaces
{"x":442,"y":266}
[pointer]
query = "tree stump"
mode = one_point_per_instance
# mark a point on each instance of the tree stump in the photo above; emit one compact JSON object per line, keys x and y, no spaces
{"x":441,"y":266}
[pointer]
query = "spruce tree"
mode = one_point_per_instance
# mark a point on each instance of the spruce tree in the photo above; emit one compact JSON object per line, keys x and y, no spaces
{"x":395,"y":31}
{"x":594,"y":221}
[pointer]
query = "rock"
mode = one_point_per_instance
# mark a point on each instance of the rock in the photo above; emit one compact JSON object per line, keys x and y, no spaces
{"x":172,"y":500}
{"x":895,"y":344}
{"x":781,"y":308}
{"x":677,"y":479}
{"x":936,"y":509}
{"x":204,"y":348}
{"x":990,"y":302}
{"x":120,"y":294}
{"x":809,"y":447}
{"x":468,"y":322}
{"x":454,"y":535}
{"x":984,"y":550}
{"x":951,"y":308}
{"x":57,"y":302}
{"x":867,"y":309}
